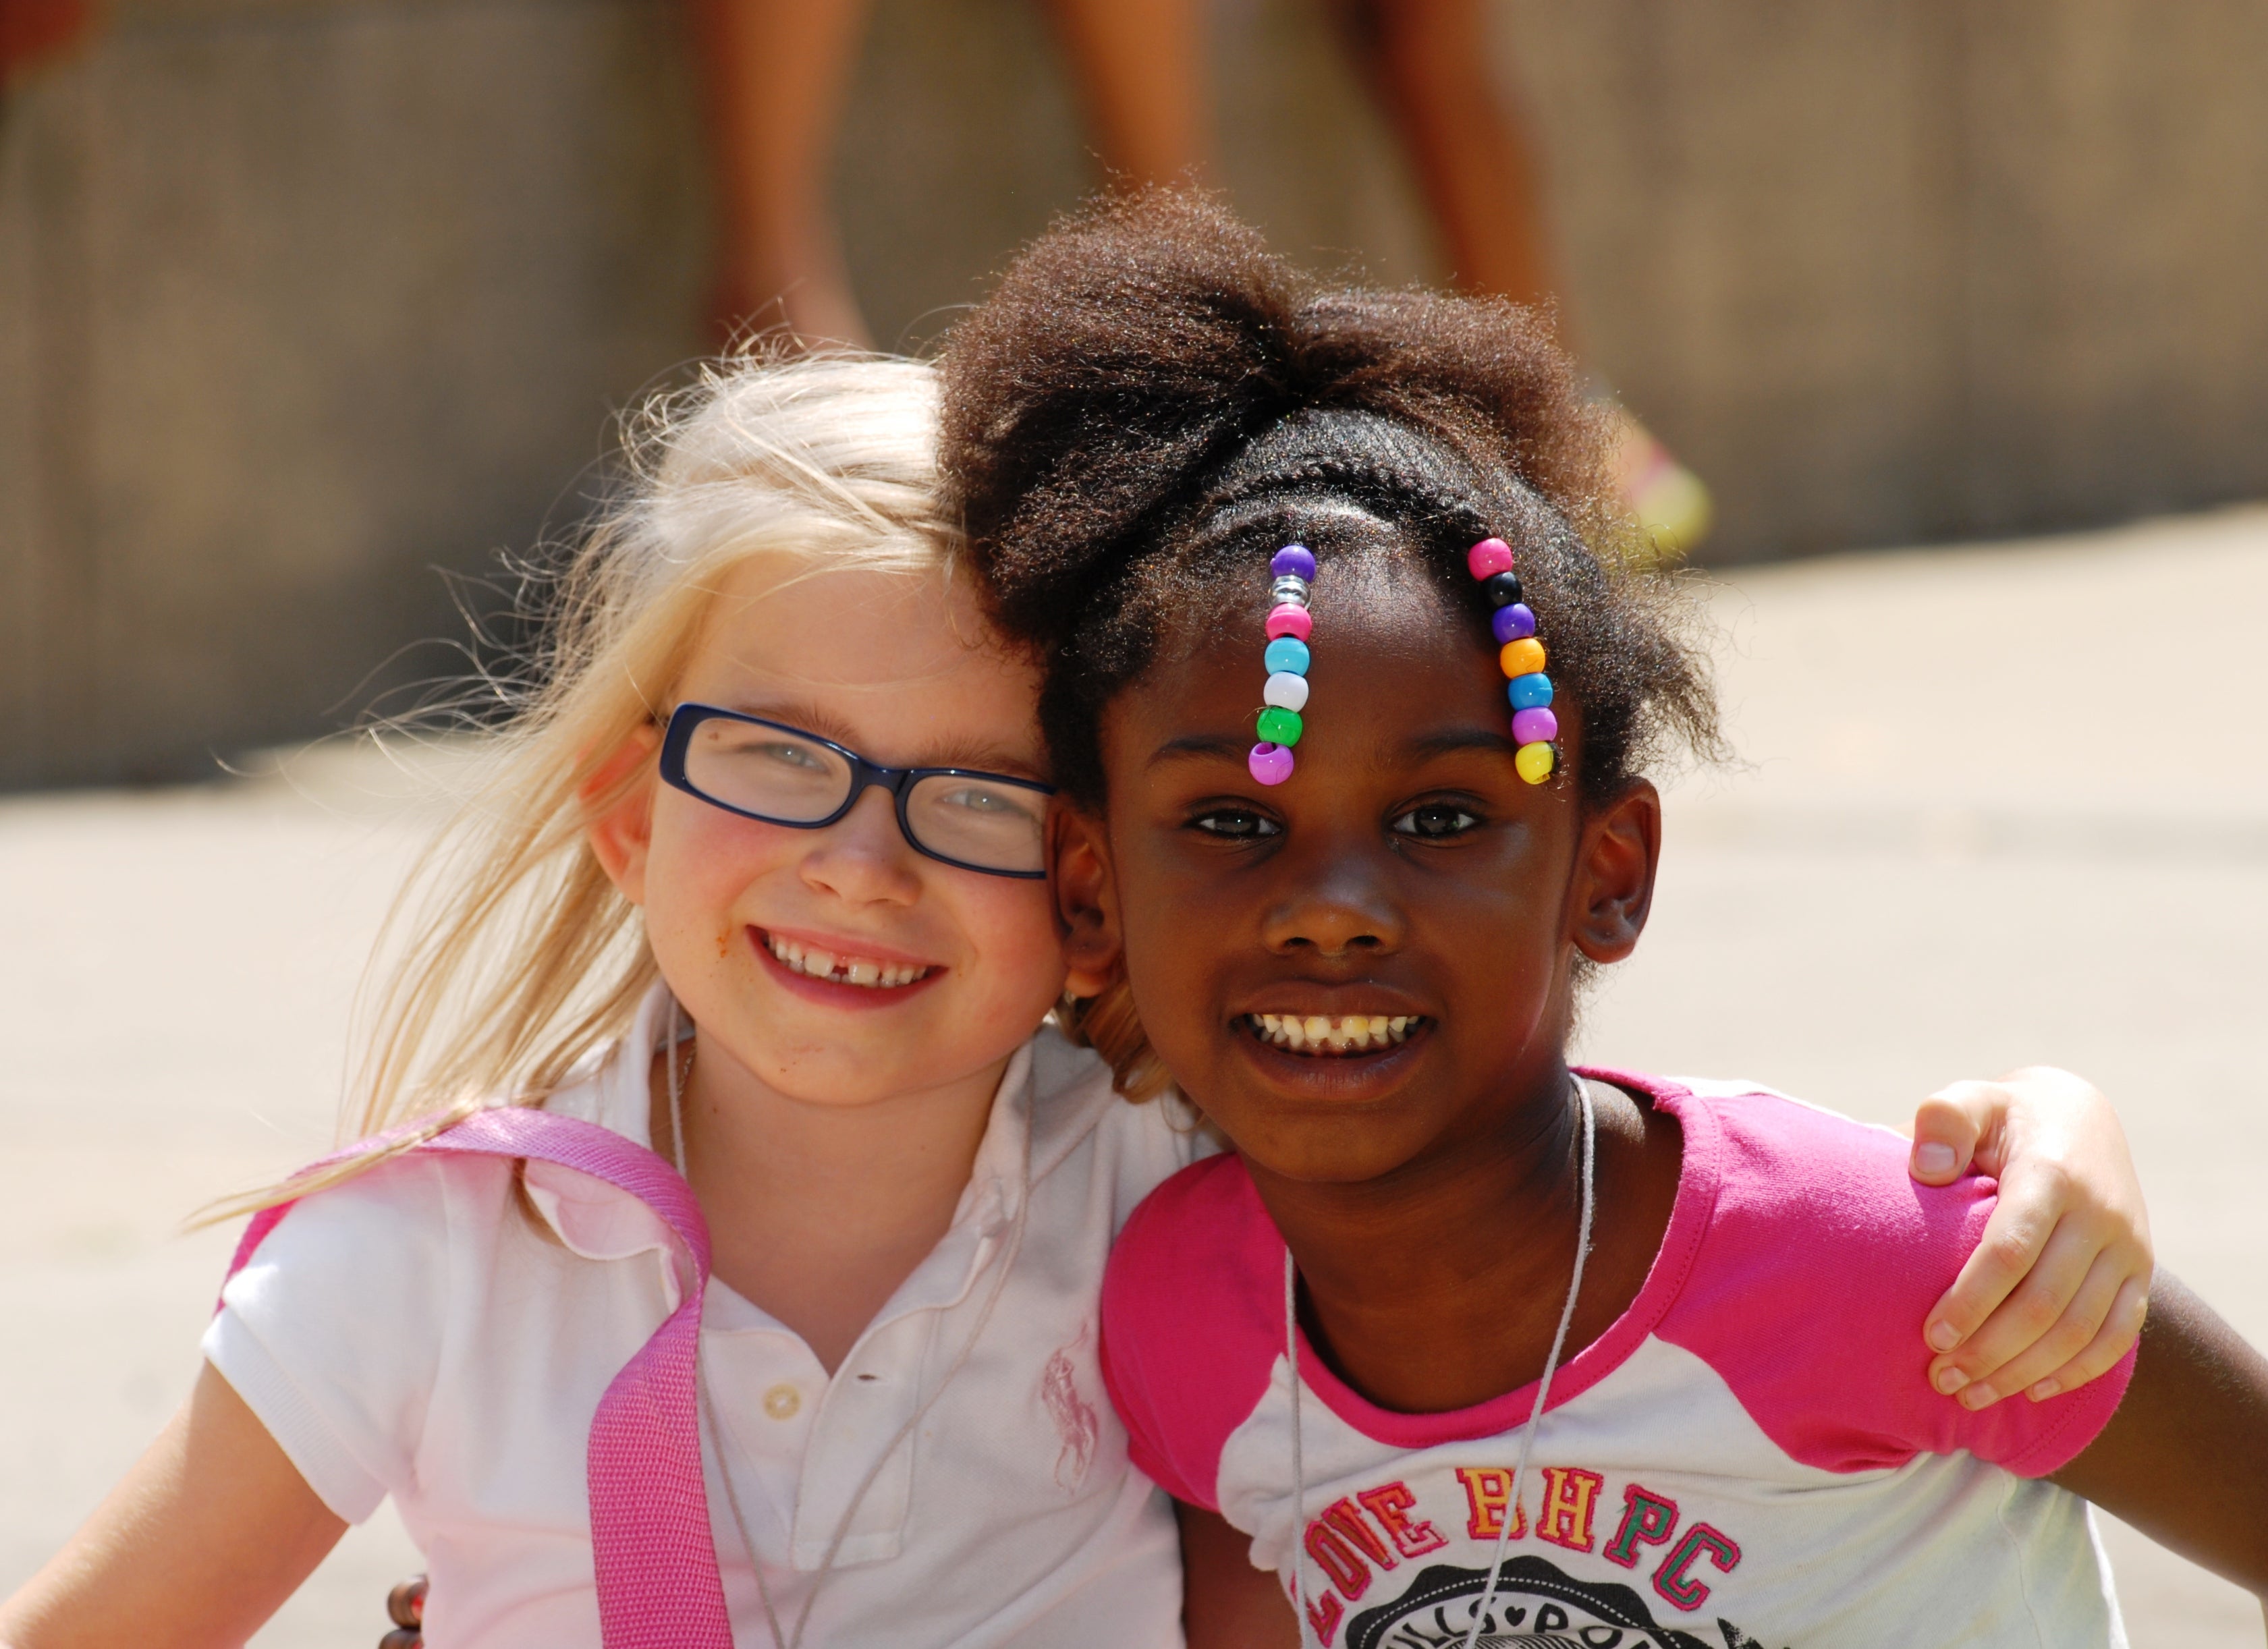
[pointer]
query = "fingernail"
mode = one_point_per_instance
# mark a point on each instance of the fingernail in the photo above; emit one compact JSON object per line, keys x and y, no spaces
{"x":1933,"y":1158}
{"x":1950,"y":1380}
{"x":1943,"y":1336}
{"x":1977,"y":1396}
{"x":2044,"y":1390}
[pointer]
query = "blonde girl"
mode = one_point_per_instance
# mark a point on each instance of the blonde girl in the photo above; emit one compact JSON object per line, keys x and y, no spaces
{"x":751,"y":891}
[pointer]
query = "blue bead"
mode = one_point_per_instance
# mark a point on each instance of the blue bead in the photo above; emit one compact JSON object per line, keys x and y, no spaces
{"x":1286,"y":655}
{"x":1295,"y":561}
{"x":1531,"y":692}
{"x":1514,"y":622}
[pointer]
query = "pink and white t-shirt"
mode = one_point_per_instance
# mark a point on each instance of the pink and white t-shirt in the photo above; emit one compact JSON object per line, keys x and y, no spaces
{"x":1750,"y":1458}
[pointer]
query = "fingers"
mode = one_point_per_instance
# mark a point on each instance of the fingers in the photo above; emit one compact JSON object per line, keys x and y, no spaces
{"x":2014,"y":1239}
{"x":2120,"y":1329}
{"x":1948,"y":1127}
{"x":2032,"y":1310}
{"x":2035,"y":1332}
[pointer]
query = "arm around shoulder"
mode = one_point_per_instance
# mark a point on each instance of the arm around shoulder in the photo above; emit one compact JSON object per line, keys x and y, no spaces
{"x":1226,"y":1602}
{"x":208,"y":1535}
{"x":2185,"y":1457}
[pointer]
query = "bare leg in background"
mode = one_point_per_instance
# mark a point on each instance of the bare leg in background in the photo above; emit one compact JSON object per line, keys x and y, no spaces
{"x":1140,"y":66}
{"x":778,"y":73}
{"x":1428,"y":63}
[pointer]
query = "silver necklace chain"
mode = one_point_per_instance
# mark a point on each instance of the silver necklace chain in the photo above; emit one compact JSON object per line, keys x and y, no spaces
{"x":793,"y":1640}
{"x":1527,"y":1431}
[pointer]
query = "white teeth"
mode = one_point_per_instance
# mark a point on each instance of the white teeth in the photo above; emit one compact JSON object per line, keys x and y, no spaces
{"x":1322,"y":1033}
{"x":852,"y":970}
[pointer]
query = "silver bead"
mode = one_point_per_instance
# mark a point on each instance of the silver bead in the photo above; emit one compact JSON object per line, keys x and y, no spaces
{"x":1290,"y":588}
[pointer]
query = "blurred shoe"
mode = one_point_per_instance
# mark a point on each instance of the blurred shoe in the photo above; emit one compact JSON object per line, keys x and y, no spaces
{"x":1667,"y":499}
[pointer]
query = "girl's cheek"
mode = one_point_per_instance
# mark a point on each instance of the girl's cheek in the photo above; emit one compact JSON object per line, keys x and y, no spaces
{"x":1012,"y":927}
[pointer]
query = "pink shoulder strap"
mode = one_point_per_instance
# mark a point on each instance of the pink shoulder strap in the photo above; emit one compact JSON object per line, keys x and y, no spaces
{"x":652,"y":1544}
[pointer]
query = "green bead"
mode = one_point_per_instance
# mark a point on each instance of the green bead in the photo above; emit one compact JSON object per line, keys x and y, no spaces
{"x":1278,"y":726}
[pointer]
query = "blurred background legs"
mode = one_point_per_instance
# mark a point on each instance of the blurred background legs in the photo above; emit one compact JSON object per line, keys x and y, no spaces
{"x":779,"y":73}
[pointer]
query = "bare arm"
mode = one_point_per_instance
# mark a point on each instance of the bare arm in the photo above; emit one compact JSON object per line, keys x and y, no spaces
{"x":2055,"y":1293}
{"x":1226,"y":1602}
{"x":208,"y":1535}
{"x":2185,"y":1459}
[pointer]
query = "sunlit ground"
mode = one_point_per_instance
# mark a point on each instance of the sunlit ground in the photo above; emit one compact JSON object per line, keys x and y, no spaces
{"x":1999,"y":806}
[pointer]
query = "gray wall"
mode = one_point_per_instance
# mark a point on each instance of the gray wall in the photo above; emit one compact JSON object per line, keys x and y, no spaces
{"x":301,"y":300}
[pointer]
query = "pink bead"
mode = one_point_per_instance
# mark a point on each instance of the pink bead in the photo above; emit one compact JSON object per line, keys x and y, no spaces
{"x":1489,"y":557}
{"x":1270,"y":763}
{"x":1533,"y":726}
{"x":1291,"y":620}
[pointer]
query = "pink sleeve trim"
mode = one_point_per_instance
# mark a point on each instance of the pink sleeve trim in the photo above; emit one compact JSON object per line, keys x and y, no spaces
{"x":1813,"y":1284}
{"x":2092,"y":1405}
{"x":1189,"y":1328}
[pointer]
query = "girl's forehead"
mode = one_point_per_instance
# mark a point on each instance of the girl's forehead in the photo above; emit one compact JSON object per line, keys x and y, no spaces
{"x":1380,"y":607}
{"x":898,"y":660}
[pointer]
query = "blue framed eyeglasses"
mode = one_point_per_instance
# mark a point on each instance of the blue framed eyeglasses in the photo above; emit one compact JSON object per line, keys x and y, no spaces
{"x":783,"y":776}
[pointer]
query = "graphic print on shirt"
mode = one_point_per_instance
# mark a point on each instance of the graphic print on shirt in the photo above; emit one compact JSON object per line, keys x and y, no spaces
{"x":1354,"y":1540}
{"x":1536,"y":1604}
{"x":1075,"y":1418}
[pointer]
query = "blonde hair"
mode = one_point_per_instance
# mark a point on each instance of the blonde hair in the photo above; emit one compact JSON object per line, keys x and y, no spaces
{"x":513,"y":957}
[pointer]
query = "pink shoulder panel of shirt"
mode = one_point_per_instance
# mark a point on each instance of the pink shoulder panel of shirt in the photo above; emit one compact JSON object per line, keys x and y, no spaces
{"x":1798,"y":1263}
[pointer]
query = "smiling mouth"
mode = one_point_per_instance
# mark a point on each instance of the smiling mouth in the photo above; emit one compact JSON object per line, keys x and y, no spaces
{"x":836,"y":969}
{"x":1333,"y":1035}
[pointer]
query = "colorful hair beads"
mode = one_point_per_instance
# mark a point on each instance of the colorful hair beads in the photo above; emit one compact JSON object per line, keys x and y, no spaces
{"x":1286,"y":696}
{"x":1533,"y":726}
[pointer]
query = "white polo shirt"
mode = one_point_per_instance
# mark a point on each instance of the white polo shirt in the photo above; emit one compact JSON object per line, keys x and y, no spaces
{"x":415,"y":1333}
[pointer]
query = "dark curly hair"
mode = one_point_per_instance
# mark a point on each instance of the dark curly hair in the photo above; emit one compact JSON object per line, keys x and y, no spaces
{"x":1152,"y":397}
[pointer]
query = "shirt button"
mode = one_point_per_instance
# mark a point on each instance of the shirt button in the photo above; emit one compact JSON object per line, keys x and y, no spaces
{"x":781,"y":1401}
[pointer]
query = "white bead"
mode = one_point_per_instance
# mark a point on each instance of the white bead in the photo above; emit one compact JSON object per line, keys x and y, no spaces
{"x":1286,"y":691}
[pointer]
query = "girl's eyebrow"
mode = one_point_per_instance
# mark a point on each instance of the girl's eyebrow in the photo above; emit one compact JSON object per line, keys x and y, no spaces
{"x":975,"y":752}
{"x":1455,"y":740}
{"x":1201,"y":747}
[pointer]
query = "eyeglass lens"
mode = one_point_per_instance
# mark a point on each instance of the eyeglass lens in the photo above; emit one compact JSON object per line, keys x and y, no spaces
{"x":778,"y":775}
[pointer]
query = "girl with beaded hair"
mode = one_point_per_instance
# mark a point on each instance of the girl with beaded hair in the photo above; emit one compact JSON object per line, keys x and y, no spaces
{"x":1466,"y":1344}
{"x":723,"y":1259}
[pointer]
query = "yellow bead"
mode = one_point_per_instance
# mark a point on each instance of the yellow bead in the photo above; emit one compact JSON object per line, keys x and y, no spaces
{"x":1533,"y":761}
{"x":1524,"y":657}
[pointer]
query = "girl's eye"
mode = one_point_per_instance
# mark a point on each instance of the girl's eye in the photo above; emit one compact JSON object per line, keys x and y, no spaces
{"x":1435,"y":821}
{"x":794,"y":755}
{"x":1236,"y":824}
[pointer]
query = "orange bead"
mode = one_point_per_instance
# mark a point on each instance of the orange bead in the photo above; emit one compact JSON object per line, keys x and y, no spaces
{"x":1524,"y":657}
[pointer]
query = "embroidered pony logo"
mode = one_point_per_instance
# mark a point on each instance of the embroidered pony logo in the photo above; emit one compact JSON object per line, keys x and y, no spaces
{"x":1076,"y":1421}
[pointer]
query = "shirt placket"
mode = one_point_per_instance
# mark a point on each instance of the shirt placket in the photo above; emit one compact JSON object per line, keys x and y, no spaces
{"x":859,"y":1466}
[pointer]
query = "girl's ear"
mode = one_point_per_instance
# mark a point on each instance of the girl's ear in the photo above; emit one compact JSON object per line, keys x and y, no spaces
{"x":1087,"y":901}
{"x":1615,"y":865}
{"x":622,"y":822}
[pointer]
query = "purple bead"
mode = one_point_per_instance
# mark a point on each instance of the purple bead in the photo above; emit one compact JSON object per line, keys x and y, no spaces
{"x":1295,"y":561}
{"x":1270,"y":763}
{"x":1511,"y":623}
{"x":1534,"y":726}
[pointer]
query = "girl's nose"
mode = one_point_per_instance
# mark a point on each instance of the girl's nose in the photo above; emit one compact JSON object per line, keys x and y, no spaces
{"x":1336,"y":910}
{"x":863,"y":858}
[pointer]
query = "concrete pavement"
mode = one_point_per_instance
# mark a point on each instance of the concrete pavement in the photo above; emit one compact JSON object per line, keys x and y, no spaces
{"x":1998,"y":805}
